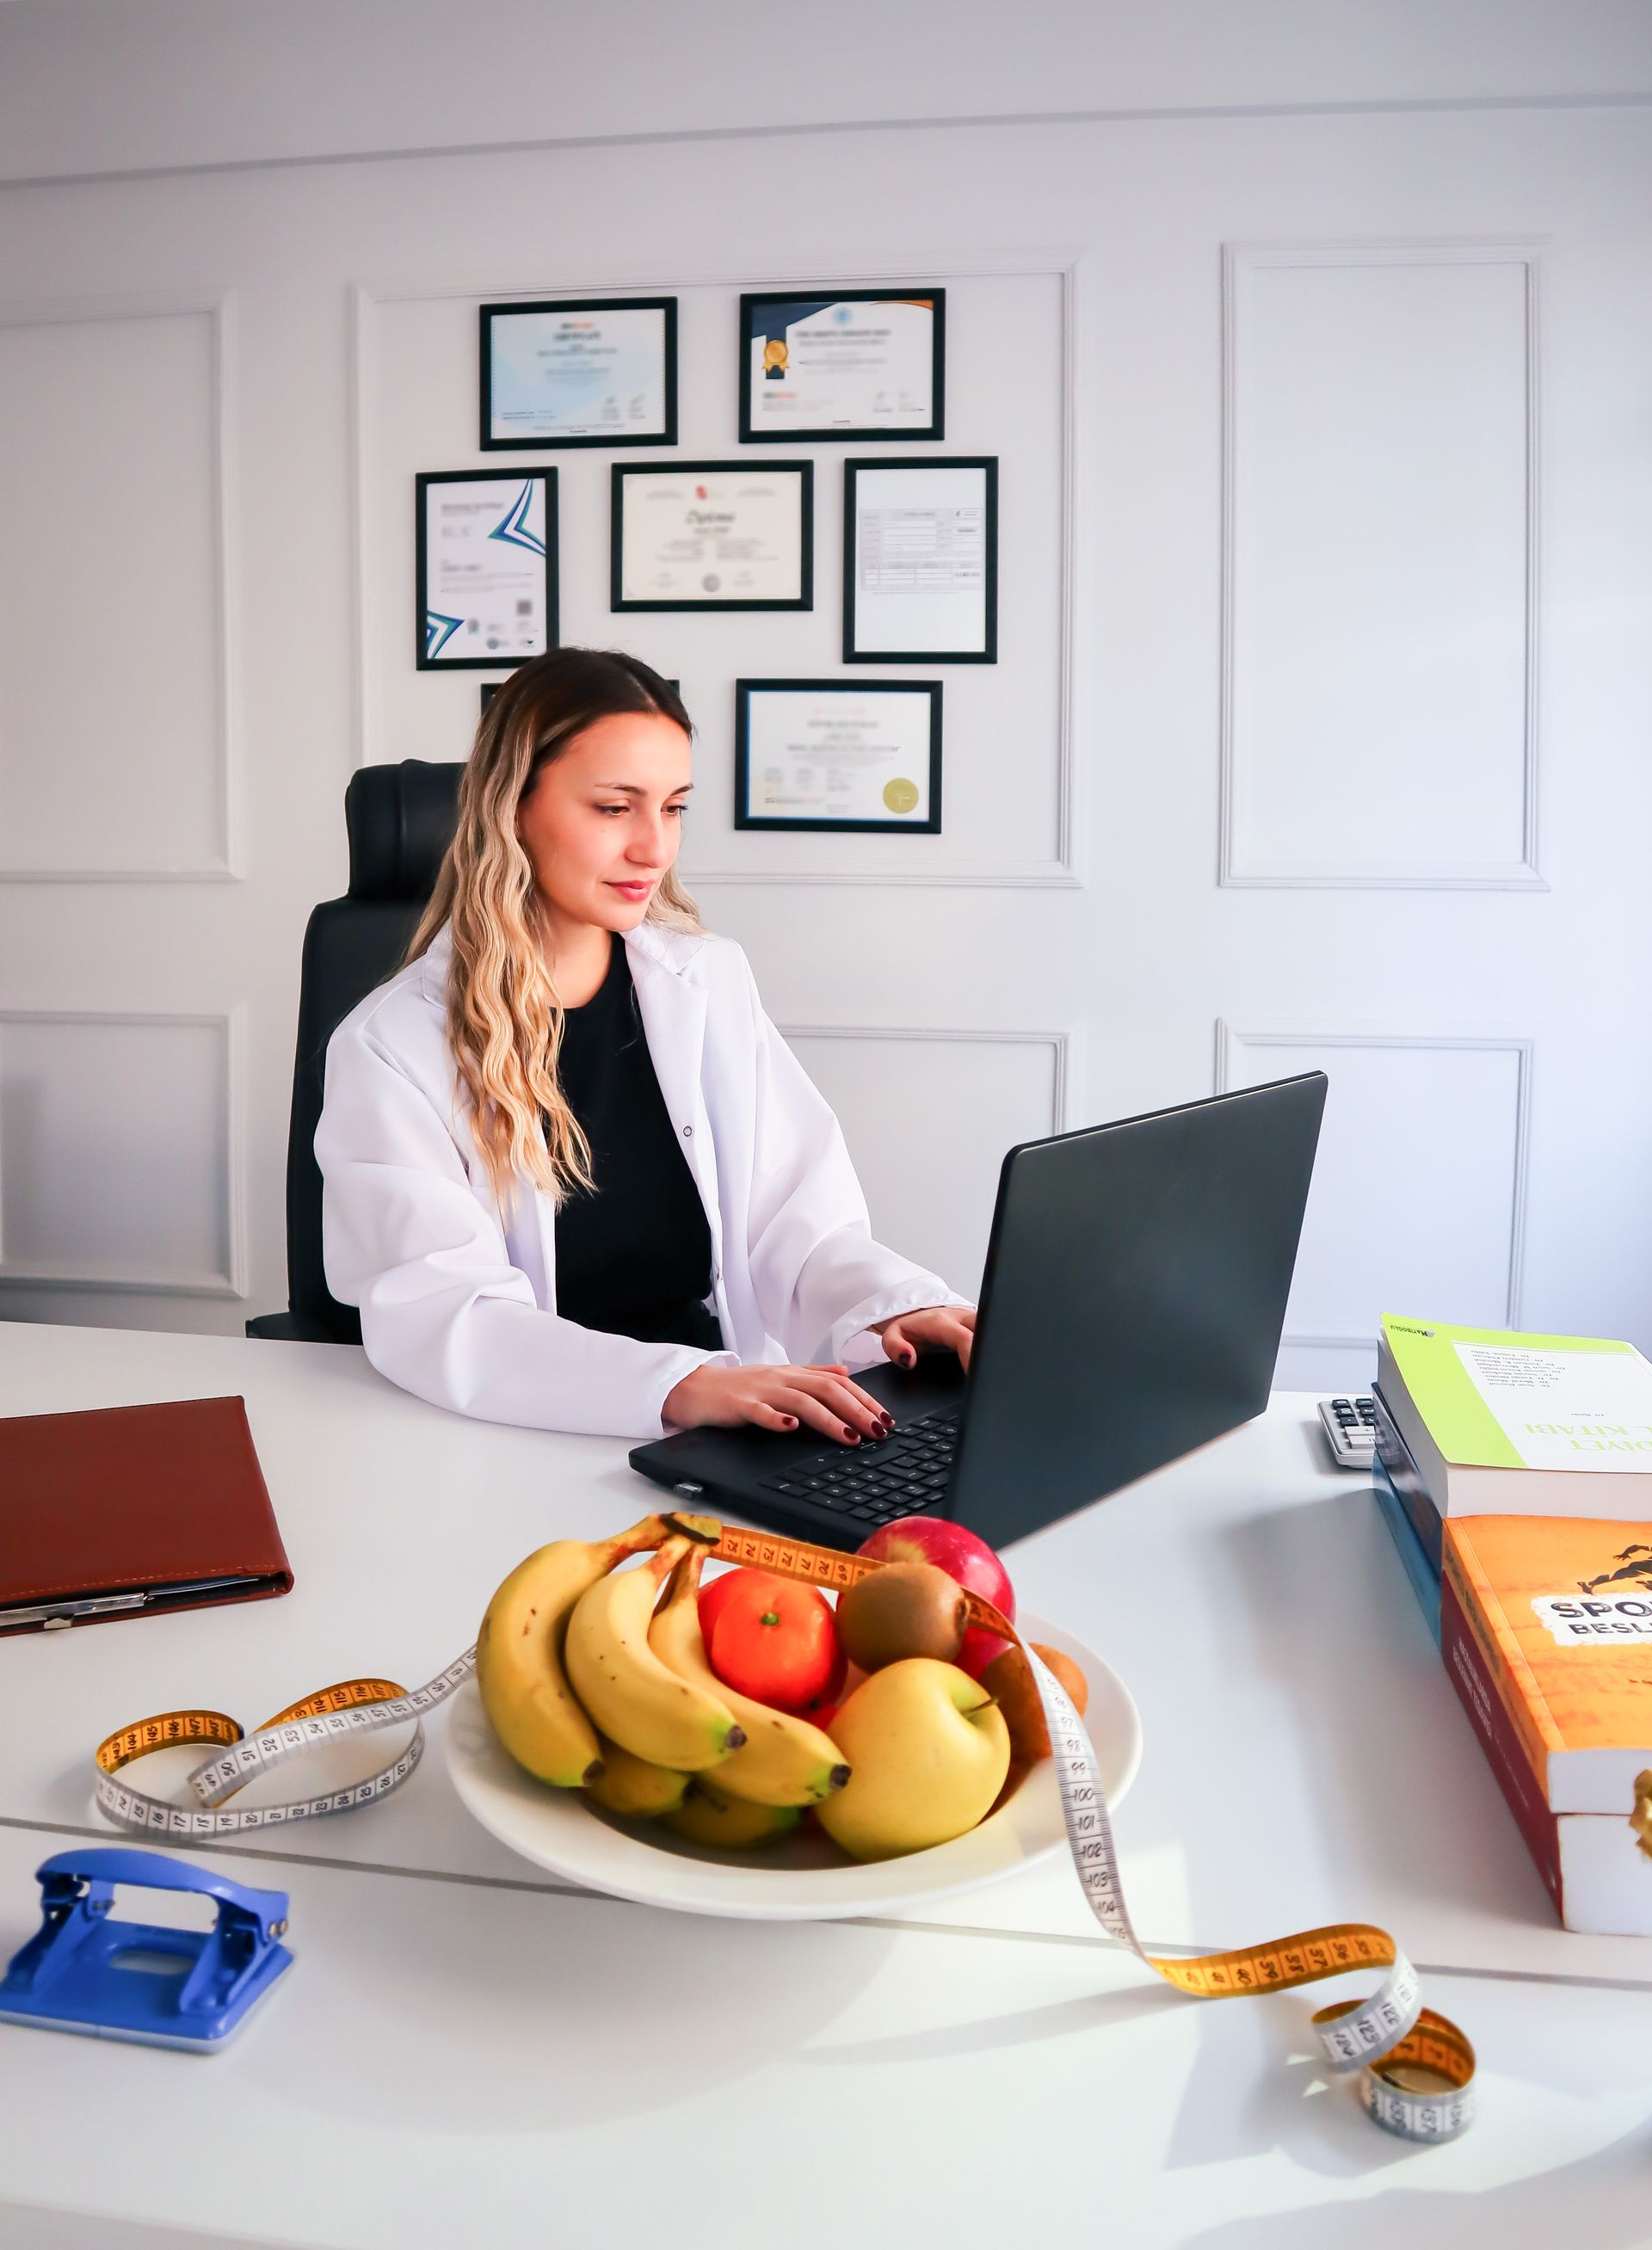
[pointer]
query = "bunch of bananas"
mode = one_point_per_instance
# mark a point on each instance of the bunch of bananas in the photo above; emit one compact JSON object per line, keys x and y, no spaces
{"x":592,"y":1680}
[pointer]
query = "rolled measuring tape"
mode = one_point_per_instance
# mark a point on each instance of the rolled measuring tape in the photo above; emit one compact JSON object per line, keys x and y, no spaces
{"x":1385,"y":2040}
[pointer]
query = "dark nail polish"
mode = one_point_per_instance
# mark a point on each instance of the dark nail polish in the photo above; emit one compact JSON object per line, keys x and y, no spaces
{"x":854,"y":1436}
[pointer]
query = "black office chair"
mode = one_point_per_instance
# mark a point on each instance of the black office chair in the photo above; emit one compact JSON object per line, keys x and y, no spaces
{"x":400,"y":820}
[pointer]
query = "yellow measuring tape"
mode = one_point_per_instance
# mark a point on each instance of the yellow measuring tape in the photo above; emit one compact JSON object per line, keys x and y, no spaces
{"x":1390,"y":2039}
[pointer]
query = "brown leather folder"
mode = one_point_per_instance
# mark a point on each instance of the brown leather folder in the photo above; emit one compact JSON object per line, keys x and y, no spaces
{"x":128,"y":1509}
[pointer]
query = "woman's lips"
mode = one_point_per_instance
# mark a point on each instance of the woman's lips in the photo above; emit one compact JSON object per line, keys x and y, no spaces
{"x":633,"y":890}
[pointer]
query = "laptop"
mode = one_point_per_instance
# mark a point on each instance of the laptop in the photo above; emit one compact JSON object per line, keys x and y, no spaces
{"x":1130,"y":1310}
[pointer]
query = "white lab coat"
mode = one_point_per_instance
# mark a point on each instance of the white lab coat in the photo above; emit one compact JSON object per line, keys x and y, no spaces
{"x":460,"y":1307}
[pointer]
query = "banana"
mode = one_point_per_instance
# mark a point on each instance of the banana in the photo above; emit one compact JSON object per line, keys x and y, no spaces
{"x":706,"y":1815}
{"x":635,"y":1700}
{"x":784,"y":1759}
{"x":634,"y":1788}
{"x":519,"y":1653}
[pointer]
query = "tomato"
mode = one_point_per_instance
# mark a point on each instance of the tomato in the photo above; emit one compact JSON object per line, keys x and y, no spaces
{"x":774,"y":1639}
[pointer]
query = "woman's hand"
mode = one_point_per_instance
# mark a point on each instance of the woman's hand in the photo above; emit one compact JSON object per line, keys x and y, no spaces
{"x":952,"y":1325}
{"x":779,"y":1398}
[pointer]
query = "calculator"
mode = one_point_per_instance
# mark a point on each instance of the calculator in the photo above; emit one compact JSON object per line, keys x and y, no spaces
{"x":1351,"y":1430}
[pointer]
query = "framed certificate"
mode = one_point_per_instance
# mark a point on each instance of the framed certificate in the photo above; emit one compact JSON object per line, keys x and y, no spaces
{"x":579,"y":371}
{"x":821,"y":754}
{"x":871,"y":365}
{"x":920,"y":561}
{"x":487,"y":567}
{"x":713,"y":535}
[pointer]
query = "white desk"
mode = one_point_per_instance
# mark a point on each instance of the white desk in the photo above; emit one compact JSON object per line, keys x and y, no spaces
{"x":1306,"y":1761}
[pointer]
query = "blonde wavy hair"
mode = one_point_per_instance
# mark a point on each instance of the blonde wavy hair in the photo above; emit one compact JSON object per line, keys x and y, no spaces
{"x":504,"y":1017}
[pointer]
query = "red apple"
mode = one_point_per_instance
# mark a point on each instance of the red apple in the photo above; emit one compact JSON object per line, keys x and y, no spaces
{"x":776,"y":1642}
{"x":963,"y":1557}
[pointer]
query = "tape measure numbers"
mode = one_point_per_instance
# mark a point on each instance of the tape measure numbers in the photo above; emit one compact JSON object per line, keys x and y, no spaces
{"x":332,"y":1715}
{"x":1416,"y":2068}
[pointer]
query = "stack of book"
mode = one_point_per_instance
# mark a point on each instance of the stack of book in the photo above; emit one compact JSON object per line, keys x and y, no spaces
{"x":1515,"y":1472}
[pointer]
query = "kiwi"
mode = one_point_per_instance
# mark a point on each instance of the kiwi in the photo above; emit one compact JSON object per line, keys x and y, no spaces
{"x":1077,"y":1687}
{"x":905,"y":1609}
{"x":1009,"y":1677}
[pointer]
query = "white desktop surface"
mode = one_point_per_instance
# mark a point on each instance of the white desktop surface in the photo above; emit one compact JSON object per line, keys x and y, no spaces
{"x":1306,"y":1761}
{"x":446,"y":2070}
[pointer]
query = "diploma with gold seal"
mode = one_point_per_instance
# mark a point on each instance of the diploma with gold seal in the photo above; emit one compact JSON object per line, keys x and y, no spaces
{"x":830,"y":753}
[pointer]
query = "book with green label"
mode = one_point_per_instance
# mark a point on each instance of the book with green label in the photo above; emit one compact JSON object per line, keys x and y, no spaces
{"x":1500,"y":1422}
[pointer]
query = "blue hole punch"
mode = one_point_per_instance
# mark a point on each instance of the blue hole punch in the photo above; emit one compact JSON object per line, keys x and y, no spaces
{"x":73,"y":1974}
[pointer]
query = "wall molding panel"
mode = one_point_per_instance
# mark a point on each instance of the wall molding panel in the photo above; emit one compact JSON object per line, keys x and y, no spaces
{"x":224,"y":863}
{"x":1060,"y":1043}
{"x":927,"y":1113}
{"x":369,"y":298}
{"x":1233,"y":1039}
{"x":228,"y":1279}
{"x":1251,"y":866}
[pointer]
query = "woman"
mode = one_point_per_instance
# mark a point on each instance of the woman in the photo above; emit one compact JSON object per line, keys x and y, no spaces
{"x":572,"y":1176}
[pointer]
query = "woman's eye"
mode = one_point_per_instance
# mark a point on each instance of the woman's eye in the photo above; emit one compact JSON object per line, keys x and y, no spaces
{"x":678,"y":809}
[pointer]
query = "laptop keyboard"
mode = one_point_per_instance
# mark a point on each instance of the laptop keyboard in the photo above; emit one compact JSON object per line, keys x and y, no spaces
{"x":905,"y":1473}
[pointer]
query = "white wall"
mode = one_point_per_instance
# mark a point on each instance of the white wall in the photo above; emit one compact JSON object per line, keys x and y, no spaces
{"x":95,"y":86}
{"x":1318,"y":733}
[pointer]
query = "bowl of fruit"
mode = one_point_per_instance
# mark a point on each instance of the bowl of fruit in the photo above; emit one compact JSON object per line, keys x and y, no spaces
{"x":729,"y":1723}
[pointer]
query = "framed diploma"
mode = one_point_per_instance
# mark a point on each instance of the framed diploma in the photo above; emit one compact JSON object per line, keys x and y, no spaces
{"x":920,"y":561}
{"x":821,"y":754}
{"x":873,"y":365}
{"x":713,"y":535}
{"x":579,"y":371}
{"x":487,"y":567}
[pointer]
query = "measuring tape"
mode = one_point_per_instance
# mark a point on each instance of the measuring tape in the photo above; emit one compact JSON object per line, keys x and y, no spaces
{"x":1384,"y":2038}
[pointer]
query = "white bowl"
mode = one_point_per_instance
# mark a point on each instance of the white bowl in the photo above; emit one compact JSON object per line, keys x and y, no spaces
{"x":803,"y":1877}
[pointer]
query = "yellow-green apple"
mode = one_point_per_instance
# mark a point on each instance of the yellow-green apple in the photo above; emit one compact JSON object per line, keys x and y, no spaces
{"x":963,"y":1557}
{"x":928,"y":1751}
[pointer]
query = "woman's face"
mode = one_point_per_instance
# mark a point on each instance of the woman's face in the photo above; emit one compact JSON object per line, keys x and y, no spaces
{"x":603,"y":822}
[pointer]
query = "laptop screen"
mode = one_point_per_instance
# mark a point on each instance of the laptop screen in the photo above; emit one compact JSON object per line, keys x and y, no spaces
{"x":1133,"y":1300}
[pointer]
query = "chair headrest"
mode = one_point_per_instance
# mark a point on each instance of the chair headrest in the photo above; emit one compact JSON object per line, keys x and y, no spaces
{"x":401,"y":821}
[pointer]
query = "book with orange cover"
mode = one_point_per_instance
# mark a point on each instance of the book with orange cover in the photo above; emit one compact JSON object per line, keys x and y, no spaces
{"x":1560,"y":1611}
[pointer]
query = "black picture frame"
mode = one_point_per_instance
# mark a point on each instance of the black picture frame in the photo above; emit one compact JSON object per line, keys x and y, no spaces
{"x":621,"y":470}
{"x":743,"y":692}
{"x":752,"y":299}
{"x":486,"y":315}
{"x":429,"y":660}
{"x":987,"y":653}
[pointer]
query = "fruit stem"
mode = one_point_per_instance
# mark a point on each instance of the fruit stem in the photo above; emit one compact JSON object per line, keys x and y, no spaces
{"x":650,"y":1532}
{"x":667,"y":1560}
{"x":704,"y":1529}
{"x":685,"y":1576}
